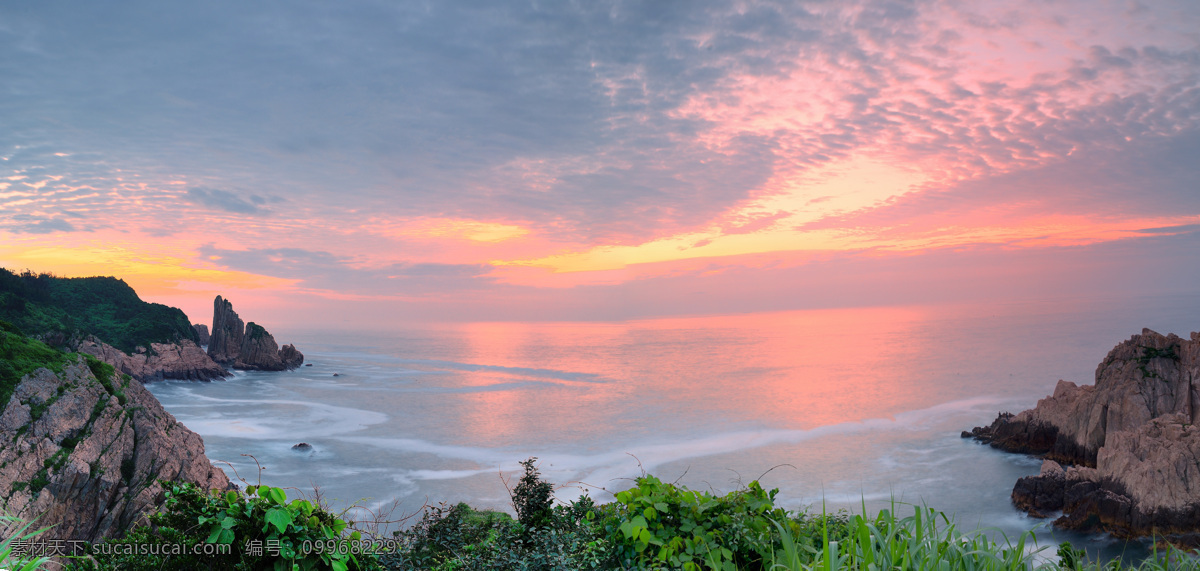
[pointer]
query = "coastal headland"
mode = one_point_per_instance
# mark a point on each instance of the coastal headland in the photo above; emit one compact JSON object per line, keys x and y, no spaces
{"x":85,"y":447}
{"x":1121,"y":455}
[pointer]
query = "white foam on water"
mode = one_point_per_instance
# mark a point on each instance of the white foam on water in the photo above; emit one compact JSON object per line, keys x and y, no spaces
{"x":620,"y":463}
{"x":316,"y":420}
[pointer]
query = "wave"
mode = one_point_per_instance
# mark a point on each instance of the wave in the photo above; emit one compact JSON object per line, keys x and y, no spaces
{"x":616,"y":464}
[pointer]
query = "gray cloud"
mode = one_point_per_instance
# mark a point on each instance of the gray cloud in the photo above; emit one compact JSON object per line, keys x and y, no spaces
{"x":1181,"y":229}
{"x":393,"y":104}
{"x":322,"y":270}
{"x":225,"y":200}
{"x":1148,"y":177}
{"x":27,"y":225}
{"x":446,"y":108}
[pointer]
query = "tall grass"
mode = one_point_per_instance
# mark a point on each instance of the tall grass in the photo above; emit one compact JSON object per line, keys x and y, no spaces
{"x":929,"y":541}
{"x":11,"y":561}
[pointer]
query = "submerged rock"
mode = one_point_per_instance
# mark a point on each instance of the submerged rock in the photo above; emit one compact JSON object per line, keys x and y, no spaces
{"x":248,"y":346}
{"x":1130,"y":442}
{"x":84,"y":455}
{"x":302,"y":447}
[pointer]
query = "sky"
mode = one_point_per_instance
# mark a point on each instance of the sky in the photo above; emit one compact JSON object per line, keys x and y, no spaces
{"x":366,"y":163}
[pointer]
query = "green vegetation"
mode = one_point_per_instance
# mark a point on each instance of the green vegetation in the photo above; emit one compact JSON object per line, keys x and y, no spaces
{"x":42,"y":304}
{"x":9,"y":556}
{"x":20,"y":355}
{"x":255,"y":331}
{"x":104,"y":373}
{"x":654,"y":525}
{"x":262,"y":529}
{"x":1149,"y":353}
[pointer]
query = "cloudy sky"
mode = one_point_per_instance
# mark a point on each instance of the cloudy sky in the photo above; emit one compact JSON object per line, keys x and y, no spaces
{"x":369,"y":161}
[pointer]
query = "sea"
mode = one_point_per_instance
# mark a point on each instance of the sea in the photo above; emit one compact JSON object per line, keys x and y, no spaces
{"x":840,"y":409}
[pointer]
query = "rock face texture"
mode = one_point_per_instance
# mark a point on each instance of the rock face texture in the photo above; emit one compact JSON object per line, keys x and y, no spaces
{"x":247,"y":346}
{"x":201,"y":333}
{"x":85,"y":453}
{"x":225,"y":343}
{"x":1130,"y":443}
{"x":182,"y":360}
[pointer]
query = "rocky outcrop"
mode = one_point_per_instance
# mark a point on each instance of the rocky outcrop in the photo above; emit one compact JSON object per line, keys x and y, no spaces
{"x":291,"y":357}
{"x":248,"y":346}
{"x":1129,"y":441}
{"x":183,"y":360}
{"x":1042,"y":494}
{"x":225,"y":343}
{"x":83,"y":451}
{"x":1142,"y":485}
{"x":202,"y":335}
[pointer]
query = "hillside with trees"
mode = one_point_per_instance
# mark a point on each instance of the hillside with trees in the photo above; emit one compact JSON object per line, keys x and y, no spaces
{"x":106,"y":307}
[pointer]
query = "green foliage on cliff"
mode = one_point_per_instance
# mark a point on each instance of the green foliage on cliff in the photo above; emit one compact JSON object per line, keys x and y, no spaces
{"x":106,"y":307}
{"x":19,"y":356}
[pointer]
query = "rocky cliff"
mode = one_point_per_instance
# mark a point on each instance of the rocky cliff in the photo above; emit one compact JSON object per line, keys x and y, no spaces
{"x":83,"y":451}
{"x":179,"y":360}
{"x":183,"y":360}
{"x":247,"y":346}
{"x":1131,"y":450}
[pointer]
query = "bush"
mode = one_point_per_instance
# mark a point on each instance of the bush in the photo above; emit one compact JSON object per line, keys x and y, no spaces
{"x":262,"y":529}
{"x":544,"y":537}
{"x":461,"y":538}
{"x":532,"y":498}
{"x":664,"y":525}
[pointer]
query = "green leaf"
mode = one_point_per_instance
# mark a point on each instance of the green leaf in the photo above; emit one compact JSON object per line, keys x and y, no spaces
{"x":231,"y":497}
{"x":226,"y":537}
{"x":277,"y":495}
{"x":278,"y":517}
{"x":214,"y":534}
{"x":228,"y":523}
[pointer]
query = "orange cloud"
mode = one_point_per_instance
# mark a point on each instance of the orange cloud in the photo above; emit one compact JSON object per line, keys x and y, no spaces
{"x":153,"y":269}
{"x":456,"y":228}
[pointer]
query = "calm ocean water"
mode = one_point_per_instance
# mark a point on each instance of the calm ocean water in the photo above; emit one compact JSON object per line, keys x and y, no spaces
{"x":839,"y":407}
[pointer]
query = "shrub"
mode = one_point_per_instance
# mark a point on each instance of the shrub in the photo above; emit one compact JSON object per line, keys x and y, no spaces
{"x":532,"y":498}
{"x":542,"y":538}
{"x":262,"y":529}
{"x":659,"y":525}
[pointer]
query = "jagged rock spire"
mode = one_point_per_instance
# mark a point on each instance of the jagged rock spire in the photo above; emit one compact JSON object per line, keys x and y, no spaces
{"x":247,"y":346}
